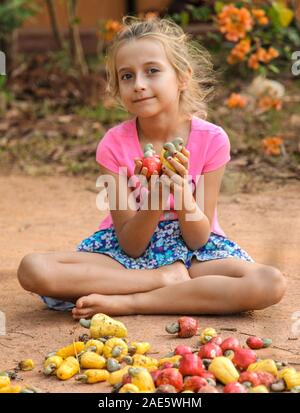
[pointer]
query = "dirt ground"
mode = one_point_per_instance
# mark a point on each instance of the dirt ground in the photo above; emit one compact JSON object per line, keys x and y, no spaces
{"x":39,"y":214}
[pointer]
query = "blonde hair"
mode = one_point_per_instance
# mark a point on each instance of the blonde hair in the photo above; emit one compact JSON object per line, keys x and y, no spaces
{"x":183,"y":53}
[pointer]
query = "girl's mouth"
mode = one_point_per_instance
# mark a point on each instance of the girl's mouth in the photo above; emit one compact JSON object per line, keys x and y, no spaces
{"x":141,"y":100}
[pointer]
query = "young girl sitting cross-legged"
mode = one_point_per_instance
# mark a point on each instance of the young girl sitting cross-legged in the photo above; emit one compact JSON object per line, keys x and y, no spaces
{"x":157,"y":260}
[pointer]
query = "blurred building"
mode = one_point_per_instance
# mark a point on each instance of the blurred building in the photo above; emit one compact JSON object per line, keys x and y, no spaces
{"x":36,"y":33}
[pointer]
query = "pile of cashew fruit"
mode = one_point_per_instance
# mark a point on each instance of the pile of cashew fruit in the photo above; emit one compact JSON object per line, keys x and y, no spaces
{"x":215,"y":365}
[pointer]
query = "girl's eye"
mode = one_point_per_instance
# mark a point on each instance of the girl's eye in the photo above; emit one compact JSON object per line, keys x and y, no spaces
{"x":152,"y":70}
{"x":123,"y":77}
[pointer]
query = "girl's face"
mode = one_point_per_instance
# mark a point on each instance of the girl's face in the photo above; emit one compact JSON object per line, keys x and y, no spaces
{"x":148,"y":82}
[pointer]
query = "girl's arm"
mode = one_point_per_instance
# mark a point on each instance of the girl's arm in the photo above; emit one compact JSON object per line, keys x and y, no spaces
{"x":196,"y":232}
{"x":134,"y":229}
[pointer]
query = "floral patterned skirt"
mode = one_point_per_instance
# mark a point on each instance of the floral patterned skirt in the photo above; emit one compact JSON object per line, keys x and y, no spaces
{"x":166,"y":246}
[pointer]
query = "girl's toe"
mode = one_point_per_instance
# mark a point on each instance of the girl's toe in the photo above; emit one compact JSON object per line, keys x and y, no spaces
{"x":80,"y":303}
{"x":80,"y":313}
{"x":83,"y":313}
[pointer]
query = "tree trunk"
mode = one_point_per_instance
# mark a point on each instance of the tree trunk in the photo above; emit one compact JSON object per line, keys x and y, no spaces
{"x":54,"y":25}
{"x":131,"y":7}
{"x":297,"y":9}
{"x":75,"y":41}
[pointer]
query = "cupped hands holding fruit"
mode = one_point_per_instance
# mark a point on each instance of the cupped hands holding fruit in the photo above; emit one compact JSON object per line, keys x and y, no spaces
{"x":170,"y":168}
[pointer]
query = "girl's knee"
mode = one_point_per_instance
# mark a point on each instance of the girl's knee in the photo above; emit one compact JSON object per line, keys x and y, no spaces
{"x":33,"y":272}
{"x":270,"y":286}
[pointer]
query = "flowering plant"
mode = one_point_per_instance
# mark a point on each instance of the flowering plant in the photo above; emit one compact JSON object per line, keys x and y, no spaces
{"x":258,"y":36}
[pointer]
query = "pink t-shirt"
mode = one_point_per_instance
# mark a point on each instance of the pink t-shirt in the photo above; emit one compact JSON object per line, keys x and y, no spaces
{"x":208,"y":144}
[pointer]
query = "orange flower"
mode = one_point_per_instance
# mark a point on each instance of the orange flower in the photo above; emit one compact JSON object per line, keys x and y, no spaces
{"x":236,"y":100}
{"x":269,"y":102}
{"x":260,"y":16}
{"x":266,"y":55}
{"x":272,"y":53}
{"x":151,"y":15}
{"x":272,"y":145}
{"x":148,"y":15}
{"x":263,"y":21}
{"x":111,"y":28}
{"x":262,"y":54}
{"x":238,"y":53}
{"x":258,"y":13}
{"x":234,"y":22}
{"x":253,"y":62}
{"x":232,"y":60}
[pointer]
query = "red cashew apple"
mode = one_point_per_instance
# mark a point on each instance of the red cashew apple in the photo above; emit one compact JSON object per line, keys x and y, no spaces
{"x":210,"y":351}
{"x":151,"y":161}
{"x":170,"y":376}
{"x":191,"y":365}
{"x":230,"y":343}
{"x":249,"y":378}
{"x":256,"y":343}
{"x":265,"y":378}
{"x":182,"y":349}
{"x":194,"y":383}
{"x":234,"y":388}
{"x":243,"y":357}
{"x":185,"y":327}
{"x":152,"y":164}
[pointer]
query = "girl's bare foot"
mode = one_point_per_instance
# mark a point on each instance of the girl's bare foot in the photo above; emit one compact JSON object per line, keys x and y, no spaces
{"x":92,"y":304}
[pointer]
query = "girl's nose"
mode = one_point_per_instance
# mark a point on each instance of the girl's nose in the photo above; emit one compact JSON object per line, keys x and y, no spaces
{"x":139,"y":84}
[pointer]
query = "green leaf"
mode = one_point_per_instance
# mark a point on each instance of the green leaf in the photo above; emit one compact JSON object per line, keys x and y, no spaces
{"x":13,"y":13}
{"x":214,"y":36}
{"x":218,"y":6}
{"x":262,"y":70}
{"x":176,"y":17}
{"x":274,"y":68}
{"x":200,"y":13}
{"x":281,"y":15}
{"x":185,"y":18}
{"x":3,"y":80}
{"x":293,"y":35}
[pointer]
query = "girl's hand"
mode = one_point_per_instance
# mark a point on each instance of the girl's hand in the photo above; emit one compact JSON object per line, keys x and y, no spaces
{"x":143,"y":171}
{"x":177,"y":180}
{"x":154,"y":185}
